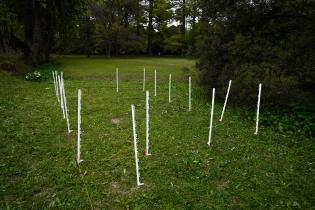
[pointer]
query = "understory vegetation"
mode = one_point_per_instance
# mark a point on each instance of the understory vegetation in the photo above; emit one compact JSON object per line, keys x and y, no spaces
{"x":268,"y":42}
{"x":240,"y":170}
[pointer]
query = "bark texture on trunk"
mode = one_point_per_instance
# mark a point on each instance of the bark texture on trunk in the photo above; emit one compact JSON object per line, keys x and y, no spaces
{"x":150,"y":28}
{"x":39,"y":34}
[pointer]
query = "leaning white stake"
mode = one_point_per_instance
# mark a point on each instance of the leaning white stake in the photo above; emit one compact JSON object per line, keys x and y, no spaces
{"x":57,"y":84}
{"x":154,"y":82}
{"x":65,"y":105}
{"x":189,"y":95}
{"x":117,"y":81}
{"x":226,"y":98}
{"x":62,"y":91}
{"x":79,"y":129}
{"x":169,"y":88}
{"x":61,"y":98}
{"x":258,"y":106}
{"x":135,"y":144}
{"x":143,"y":88}
{"x":147,"y":153}
{"x":211,"y":117}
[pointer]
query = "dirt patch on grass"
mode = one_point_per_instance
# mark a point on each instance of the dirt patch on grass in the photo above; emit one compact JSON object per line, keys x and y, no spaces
{"x":116,"y":120}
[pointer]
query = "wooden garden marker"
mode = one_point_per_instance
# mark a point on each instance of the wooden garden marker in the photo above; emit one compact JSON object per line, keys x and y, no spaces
{"x":147,"y":125}
{"x":79,"y":129}
{"x":57,"y":84}
{"x":169,"y":88}
{"x":189,"y":95}
{"x":258,"y":106}
{"x":226,"y":98}
{"x":133,"y":112}
{"x":117,"y":88}
{"x":65,"y":105}
{"x":143,"y":88}
{"x":211,"y":117}
{"x":61,"y":98}
{"x":154,"y":82}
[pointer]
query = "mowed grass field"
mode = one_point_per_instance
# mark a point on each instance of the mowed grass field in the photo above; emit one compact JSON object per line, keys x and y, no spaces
{"x":238,"y":171}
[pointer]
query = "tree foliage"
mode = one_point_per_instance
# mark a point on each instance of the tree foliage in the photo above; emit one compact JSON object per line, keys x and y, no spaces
{"x":33,"y":24}
{"x":271,"y":42}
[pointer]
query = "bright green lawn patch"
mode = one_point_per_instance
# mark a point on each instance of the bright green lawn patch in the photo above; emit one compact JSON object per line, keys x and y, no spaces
{"x":238,"y":171}
{"x":132,"y":67}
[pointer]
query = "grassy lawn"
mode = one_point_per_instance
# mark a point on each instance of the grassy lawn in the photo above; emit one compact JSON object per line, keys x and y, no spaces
{"x":101,"y":67}
{"x":238,"y":171}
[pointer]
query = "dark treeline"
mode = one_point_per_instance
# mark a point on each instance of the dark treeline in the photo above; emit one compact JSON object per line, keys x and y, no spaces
{"x":260,"y":41}
{"x":110,"y":27}
{"x":248,"y":41}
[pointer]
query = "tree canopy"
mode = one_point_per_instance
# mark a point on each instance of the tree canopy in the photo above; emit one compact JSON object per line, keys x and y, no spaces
{"x":267,"y":41}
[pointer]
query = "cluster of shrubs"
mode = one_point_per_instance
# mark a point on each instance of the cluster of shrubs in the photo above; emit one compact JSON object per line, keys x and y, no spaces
{"x":43,"y":72}
{"x":33,"y":76}
{"x":268,"y":42}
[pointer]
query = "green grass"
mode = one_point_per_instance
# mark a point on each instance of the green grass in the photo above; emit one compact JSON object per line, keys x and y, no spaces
{"x":238,"y":171}
{"x":81,"y":67}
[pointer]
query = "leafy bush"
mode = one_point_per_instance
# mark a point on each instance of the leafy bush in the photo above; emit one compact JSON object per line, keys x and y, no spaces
{"x":272,"y":46}
{"x":43,"y":72}
{"x":33,"y":76}
{"x":298,"y":120}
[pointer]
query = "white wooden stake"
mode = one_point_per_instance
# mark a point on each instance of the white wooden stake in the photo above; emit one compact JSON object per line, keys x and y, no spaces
{"x":117,"y":81}
{"x":133,"y":111}
{"x":53,"y":74}
{"x":189,"y":95}
{"x":211,"y":117}
{"x":258,"y":106}
{"x":79,"y":129}
{"x":169,"y":88}
{"x":143,"y":89}
{"x":147,"y":153}
{"x":226,"y":98}
{"x":61,"y":98}
{"x":154,"y":82}
{"x":62,"y":90}
{"x":65,"y":106}
{"x":57,"y":84}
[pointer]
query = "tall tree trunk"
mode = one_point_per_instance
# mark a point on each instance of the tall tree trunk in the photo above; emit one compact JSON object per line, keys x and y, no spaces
{"x":183,"y":27}
{"x":138,"y":18}
{"x":38,"y":35}
{"x":150,"y":28}
{"x":4,"y":40}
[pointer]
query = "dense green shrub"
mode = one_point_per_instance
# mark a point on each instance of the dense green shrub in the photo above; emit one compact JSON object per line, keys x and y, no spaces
{"x":297,"y":120}
{"x":43,"y":72}
{"x":268,"y":42}
{"x":34,"y":76}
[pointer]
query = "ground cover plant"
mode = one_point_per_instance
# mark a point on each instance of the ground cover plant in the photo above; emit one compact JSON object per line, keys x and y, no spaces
{"x":240,"y":170}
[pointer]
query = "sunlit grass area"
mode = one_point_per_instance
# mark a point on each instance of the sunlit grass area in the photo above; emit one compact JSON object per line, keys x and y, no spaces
{"x":103,"y":67}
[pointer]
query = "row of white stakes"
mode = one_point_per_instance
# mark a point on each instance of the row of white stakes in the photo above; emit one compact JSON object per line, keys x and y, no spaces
{"x":169,"y":86}
{"x":59,"y":88}
{"x":61,"y":93}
